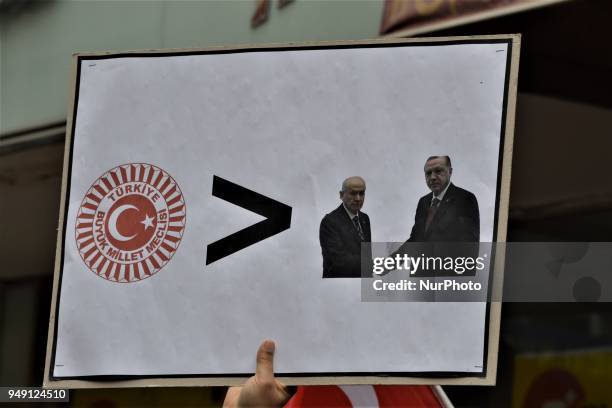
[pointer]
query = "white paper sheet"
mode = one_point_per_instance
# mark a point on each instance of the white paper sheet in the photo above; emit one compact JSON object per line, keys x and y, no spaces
{"x":290,"y":125}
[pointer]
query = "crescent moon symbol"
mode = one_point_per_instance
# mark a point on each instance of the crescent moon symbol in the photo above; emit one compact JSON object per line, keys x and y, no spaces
{"x":112,"y":222}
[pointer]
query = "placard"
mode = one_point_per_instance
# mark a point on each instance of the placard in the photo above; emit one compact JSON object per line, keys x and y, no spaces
{"x":196,"y":189}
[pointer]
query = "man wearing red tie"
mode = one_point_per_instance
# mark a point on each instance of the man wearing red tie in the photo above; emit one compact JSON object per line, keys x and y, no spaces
{"x":447,"y":214}
{"x":447,"y":220}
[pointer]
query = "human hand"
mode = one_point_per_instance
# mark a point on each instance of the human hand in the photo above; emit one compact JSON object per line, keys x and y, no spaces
{"x":262,"y":389}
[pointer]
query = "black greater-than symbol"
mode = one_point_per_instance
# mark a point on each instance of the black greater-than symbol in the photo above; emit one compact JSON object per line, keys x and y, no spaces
{"x":278,"y":219}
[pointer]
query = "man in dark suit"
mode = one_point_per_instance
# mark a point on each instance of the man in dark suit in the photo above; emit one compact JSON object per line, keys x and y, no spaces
{"x":447,"y":214}
{"x":447,"y":221}
{"x":343,"y":230}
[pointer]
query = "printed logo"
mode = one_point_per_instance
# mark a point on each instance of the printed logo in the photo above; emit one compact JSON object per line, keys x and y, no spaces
{"x":130,"y":222}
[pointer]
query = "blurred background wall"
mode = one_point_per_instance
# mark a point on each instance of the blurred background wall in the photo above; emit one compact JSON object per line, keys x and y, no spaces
{"x":561,"y":188}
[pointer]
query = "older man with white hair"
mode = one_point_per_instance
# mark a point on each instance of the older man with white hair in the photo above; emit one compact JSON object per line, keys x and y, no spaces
{"x":343,"y":230}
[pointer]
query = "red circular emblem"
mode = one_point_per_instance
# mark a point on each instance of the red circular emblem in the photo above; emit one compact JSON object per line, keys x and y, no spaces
{"x":130,"y":222}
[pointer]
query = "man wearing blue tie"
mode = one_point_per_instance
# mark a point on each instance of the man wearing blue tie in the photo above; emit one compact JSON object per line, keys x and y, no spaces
{"x":343,"y":230}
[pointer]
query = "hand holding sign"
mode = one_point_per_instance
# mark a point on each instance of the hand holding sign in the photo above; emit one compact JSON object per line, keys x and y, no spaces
{"x":262,"y":389}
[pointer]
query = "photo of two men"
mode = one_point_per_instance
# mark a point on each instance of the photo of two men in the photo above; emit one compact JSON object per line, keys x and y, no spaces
{"x":447,"y":214}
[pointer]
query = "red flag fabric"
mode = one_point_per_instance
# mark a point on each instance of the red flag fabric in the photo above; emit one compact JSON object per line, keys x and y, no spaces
{"x":383,"y":396}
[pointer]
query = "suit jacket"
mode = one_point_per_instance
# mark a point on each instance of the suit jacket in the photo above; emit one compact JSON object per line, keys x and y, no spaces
{"x":341,"y":244}
{"x":457,"y":218}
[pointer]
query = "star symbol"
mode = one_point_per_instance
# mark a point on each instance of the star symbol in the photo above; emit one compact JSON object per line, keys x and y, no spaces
{"x":147,"y":222}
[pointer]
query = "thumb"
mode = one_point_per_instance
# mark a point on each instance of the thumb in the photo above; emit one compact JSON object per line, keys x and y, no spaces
{"x":264,"y":371}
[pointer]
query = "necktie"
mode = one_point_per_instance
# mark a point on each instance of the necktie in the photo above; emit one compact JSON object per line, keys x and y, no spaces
{"x":431,"y":212}
{"x":358,"y":227}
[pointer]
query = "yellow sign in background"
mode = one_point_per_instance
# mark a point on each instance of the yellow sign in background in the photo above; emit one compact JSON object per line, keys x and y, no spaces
{"x":567,"y":379}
